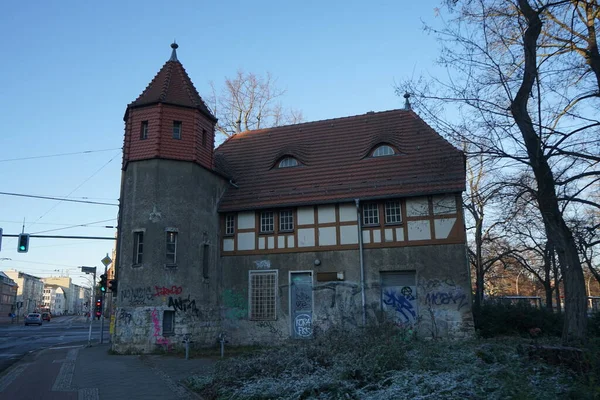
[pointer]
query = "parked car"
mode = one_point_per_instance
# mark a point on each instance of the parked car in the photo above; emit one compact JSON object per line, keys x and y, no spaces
{"x":46,"y":316}
{"x":33,"y":318}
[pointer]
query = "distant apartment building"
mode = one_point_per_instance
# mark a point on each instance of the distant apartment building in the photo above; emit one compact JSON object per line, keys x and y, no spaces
{"x":29,"y":293}
{"x":54,"y":299}
{"x":8,"y":296}
{"x":82,"y":299}
{"x":68,"y":287}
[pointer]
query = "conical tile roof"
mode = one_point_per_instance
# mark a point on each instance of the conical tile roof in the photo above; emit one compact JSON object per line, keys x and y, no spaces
{"x":172,"y":85}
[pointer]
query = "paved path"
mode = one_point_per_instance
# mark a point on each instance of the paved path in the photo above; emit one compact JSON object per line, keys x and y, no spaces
{"x":91,"y":373}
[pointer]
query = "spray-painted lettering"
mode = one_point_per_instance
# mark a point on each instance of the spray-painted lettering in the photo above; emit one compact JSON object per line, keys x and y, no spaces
{"x":262,"y":264}
{"x":136,"y":296}
{"x":402,"y":304}
{"x":124,"y":316}
{"x":185,"y":305}
{"x":156,"y":323}
{"x":303,"y":325}
{"x":165,"y":291}
{"x":444,"y":298}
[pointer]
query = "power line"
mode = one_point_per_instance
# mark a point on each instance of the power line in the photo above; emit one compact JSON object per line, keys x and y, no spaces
{"x":59,"y":155}
{"x":77,"y":226}
{"x":57,"y":198}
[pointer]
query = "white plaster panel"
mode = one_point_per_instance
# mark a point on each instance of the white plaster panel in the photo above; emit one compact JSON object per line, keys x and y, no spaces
{"x":326,"y":214}
{"x":271,"y":242}
{"x":389,"y":235}
{"x":366,"y":236}
{"x":306,"y":237}
{"x":444,"y":204}
{"x":281,"y":242}
{"x":327,"y":236}
{"x":246,"y":220}
{"x":418,"y":230}
{"x":306,"y":215}
{"x":377,"y":236}
{"x":417,"y":207}
{"x":290,"y":241}
{"x":261,"y":243}
{"x":347,"y":212}
{"x":348,"y":234}
{"x":399,"y":234}
{"x":443,"y":227}
{"x":246,"y":241}
{"x":228,"y":244}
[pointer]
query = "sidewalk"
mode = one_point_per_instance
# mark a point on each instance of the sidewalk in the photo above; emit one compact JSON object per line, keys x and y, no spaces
{"x":90,"y":373}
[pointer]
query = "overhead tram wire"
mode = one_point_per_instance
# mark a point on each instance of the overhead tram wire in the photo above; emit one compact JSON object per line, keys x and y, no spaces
{"x":77,"y":226}
{"x":59,"y":155}
{"x":58,"y":199}
{"x":72,"y":191}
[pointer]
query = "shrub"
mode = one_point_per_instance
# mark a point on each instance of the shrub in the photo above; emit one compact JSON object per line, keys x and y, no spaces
{"x":495,"y":319}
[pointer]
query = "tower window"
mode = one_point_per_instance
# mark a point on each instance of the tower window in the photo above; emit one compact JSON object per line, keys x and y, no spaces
{"x":203,"y":137}
{"x":171,"y":254}
{"x":144,"y":130}
{"x":176,"y":129}
{"x":138,"y":247}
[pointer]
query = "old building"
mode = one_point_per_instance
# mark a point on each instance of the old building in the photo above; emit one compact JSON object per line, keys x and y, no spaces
{"x":54,"y":299}
{"x":29,"y":293}
{"x":70,"y":292}
{"x":8,"y":297}
{"x":284,"y":232}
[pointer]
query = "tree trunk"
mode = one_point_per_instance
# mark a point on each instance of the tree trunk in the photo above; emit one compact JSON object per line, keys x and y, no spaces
{"x":556,"y":229}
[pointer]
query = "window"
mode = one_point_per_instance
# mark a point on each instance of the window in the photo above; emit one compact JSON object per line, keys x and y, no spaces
{"x":286,"y":221}
{"x":176,"y":129}
{"x":262,"y":292}
{"x":205,"y":261}
{"x":393,"y":215}
{"x":203,"y":137}
{"x":229,"y":224}
{"x":288,"y":162}
{"x":383,"y":151}
{"x":138,"y":247}
{"x":171,"y":255}
{"x":144,"y":130}
{"x":168,"y":326}
{"x":370,"y":214}
{"x":266,"y":221}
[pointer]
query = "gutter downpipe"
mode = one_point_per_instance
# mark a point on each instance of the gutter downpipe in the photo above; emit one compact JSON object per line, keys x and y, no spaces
{"x":362,"y":263}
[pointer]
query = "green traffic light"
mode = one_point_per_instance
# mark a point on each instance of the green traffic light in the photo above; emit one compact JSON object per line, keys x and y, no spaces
{"x":22,"y":247}
{"x":103,"y":289}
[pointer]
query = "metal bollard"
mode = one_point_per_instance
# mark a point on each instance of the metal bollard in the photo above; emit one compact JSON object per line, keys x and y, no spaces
{"x":187,"y":341}
{"x":222,"y":340}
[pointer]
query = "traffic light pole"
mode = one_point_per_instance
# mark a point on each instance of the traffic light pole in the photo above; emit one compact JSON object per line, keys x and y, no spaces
{"x":102,"y":311}
{"x":90,"y":309}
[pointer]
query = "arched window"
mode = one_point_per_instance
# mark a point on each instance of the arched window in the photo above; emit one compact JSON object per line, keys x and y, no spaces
{"x":288,"y":162}
{"x":383,"y":151}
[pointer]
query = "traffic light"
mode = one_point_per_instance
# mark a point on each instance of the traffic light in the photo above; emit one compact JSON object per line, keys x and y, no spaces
{"x":103,"y":283}
{"x":98,"y":307}
{"x":112,"y":285}
{"x":23,"y":245}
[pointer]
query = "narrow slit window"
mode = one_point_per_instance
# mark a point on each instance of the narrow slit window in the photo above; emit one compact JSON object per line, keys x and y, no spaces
{"x":138,"y":247}
{"x":176,"y":129}
{"x":144,"y":130}
{"x":168,"y":326}
{"x":205,"y":261}
{"x":171,"y":253}
{"x":203,"y":137}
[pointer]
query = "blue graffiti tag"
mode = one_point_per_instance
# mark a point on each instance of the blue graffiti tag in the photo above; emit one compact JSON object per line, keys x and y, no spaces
{"x":400,"y":303}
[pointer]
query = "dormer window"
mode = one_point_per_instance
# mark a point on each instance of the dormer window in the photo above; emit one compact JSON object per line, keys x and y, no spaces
{"x":176,"y":129}
{"x":288,"y":162}
{"x":383,"y":151}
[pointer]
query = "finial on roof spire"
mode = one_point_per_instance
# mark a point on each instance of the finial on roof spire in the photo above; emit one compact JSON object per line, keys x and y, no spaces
{"x":174,"y":46}
{"x":406,"y":102}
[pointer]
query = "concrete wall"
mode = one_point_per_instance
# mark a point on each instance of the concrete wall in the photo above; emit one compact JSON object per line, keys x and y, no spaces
{"x":161,"y":195}
{"x":441,"y":299}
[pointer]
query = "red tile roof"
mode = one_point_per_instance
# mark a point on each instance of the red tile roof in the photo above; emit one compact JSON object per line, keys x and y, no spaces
{"x":336,"y":163}
{"x":172,"y":85}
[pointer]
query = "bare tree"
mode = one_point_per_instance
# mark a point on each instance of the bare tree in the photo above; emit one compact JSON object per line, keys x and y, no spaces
{"x":248,"y":102}
{"x":523,"y":78}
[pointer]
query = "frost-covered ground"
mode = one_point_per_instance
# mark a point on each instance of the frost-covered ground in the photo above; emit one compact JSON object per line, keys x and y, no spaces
{"x":382,"y":364}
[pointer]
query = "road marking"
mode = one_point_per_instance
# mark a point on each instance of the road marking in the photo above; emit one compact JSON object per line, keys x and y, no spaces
{"x":66,"y":347}
{"x":65,"y":375}
{"x":88,"y":394}
{"x":9,"y":355}
{"x":11,"y":376}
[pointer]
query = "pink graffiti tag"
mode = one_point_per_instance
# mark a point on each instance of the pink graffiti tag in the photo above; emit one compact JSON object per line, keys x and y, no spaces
{"x":156,"y":323}
{"x":165,"y":291}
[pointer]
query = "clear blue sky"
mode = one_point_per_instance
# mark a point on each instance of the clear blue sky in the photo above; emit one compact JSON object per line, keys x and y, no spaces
{"x":69,"y":68}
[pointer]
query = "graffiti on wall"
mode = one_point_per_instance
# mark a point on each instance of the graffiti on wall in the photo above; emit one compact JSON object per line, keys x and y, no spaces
{"x":136,"y":296}
{"x":167,"y":291}
{"x":402,"y":302}
{"x":236,"y":304}
{"x":124,"y":316}
{"x":262,"y":264}
{"x":443,"y":292}
{"x":303,"y":325}
{"x":184,"y":304}
{"x":157,"y":336}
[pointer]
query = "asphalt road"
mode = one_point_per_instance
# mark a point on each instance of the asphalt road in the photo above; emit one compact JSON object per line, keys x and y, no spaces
{"x":17,"y":340}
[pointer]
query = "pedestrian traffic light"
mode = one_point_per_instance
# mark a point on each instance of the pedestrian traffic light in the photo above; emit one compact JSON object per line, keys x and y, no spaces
{"x":23,"y":245}
{"x":98,"y":308}
{"x":103,"y":283}
{"x":112,"y":285}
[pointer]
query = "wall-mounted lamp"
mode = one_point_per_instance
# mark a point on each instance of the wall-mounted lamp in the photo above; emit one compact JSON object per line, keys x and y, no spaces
{"x":317,"y":262}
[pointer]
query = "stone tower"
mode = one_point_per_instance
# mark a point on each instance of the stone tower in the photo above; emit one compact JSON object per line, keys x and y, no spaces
{"x":168,"y":221}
